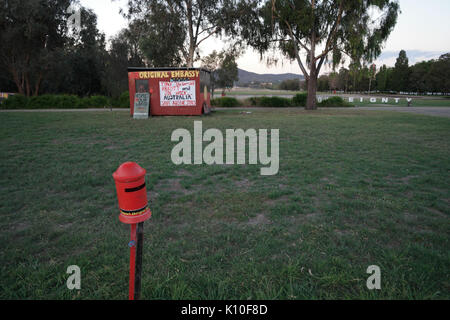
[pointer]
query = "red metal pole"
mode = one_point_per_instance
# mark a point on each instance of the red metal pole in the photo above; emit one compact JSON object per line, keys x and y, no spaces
{"x":132,"y":261}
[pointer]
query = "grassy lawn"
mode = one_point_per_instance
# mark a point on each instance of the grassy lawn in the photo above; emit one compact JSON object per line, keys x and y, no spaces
{"x":354,"y":189}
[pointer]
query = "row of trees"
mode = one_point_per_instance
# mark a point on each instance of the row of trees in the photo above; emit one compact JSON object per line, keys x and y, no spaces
{"x":40,"y":53}
{"x":423,"y":77}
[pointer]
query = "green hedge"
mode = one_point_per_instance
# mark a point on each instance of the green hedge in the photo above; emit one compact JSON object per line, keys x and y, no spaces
{"x":335,"y":102}
{"x":299,"y":100}
{"x":48,"y":101}
{"x":122,"y":102}
{"x":270,"y":102}
{"x":15,"y":102}
{"x":51,"y":101}
{"x":225,"y":102}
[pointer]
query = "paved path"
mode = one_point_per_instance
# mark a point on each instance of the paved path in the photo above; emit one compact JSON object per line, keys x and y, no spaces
{"x":431,"y":111}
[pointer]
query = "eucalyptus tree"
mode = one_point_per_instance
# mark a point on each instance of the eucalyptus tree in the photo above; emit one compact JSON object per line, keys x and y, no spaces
{"x":179,"y":27}
{"x":223,"y":67}
{"x":400,"y":73}
{"x":31,"y":32}
{"x":316,"y":32}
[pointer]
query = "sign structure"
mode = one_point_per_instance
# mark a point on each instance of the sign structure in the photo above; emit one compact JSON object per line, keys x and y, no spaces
{"x":141,"y":105}
{"x":177,"y":93}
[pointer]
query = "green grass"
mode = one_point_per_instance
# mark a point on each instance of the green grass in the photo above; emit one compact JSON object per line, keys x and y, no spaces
{"x":354,"y":189}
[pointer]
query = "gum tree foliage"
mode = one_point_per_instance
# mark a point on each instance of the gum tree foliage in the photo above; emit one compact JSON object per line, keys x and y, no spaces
{"x":228,"y":72}
{"x":382,"y":78}
{"x":124,"y":52}
{"x":31,"y":34}
{"x":223,"y":68}
{"x":439,"y":74}
{"x":176,"y":28}
{"x":290,"y":84}
{"x":212,"y":63}
{"x":84,"y":59}
{"x":315,"y":32}
{"x":400,"y":74}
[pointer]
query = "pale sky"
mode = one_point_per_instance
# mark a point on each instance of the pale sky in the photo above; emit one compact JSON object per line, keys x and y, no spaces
{"x":423,"y":30}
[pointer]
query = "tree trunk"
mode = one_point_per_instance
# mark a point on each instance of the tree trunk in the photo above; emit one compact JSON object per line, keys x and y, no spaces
{"x":313,"y":72}
{"x":312,"y":92}
{"x":17,"y":81}
{"x":37,"y":85}
{"x":190,"y":62}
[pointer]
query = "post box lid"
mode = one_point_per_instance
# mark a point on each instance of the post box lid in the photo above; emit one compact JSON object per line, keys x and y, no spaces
{"x":129,"y":171}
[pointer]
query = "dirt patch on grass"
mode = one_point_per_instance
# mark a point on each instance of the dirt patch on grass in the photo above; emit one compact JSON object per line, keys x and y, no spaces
{"x":345,"y":232}
{"x":409,"y":217}
{"x":244,"y":184}
{"x":21,"y":226}
{"x":64,"y":226}
{"x":328,"y":180}
{"x":272,"y":202}
{"x":259,"y":220}
{"x":300,"y":218}
{"x":174,"y":185}
{"x":404,"y":180}
{"x":437,"y":213}
{"x":183,"y":173}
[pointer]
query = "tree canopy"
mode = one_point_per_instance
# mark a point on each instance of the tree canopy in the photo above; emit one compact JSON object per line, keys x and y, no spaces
{"x":314,"y":32}
{"x":31,"y":33}
{"x":176,"y":28}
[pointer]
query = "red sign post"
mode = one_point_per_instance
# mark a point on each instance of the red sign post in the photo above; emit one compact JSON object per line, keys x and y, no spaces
{"x":134,"y":210}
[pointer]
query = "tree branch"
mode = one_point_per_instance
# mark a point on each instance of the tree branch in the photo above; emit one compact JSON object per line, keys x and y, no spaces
{"x":332,"y":35}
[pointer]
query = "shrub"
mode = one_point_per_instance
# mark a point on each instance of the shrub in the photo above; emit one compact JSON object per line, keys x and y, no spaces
{"x":255,"y":101}
{"x":124,"y":100}
{"x":41,"y":102}
{"x":53,"y":101}
{"x":67,"y":101}
{"x":275,"y":102}
{"x":16,"y":101}
{"x":84,"y":102}
{"x":225,"y":102}
{"x":98,"y":101}
{"x":299,"y":100}
{"x":271,"y":102}
{"x":61,"y":101}
{"x":336,"y":102}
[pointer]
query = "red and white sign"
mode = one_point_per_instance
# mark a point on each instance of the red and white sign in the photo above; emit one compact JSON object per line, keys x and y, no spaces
{"x":177,"y":93}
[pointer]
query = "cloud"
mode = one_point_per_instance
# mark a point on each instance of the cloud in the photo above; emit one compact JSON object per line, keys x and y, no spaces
{"x":414,"y":56}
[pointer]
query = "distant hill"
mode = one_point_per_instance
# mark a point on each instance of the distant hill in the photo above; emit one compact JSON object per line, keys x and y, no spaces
{"x":246,"y":77}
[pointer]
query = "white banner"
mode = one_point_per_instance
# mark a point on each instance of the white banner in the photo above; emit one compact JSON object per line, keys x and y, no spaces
{"x":177,"y":93}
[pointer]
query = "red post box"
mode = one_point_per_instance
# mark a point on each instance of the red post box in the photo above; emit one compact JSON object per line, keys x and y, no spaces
{"x":132,"y":193}
{"x":134,"y":210}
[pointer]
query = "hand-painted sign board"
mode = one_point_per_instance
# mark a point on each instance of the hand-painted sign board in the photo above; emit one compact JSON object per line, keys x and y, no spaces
{"x":177,"y":93}
{"x":141,"y":105}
